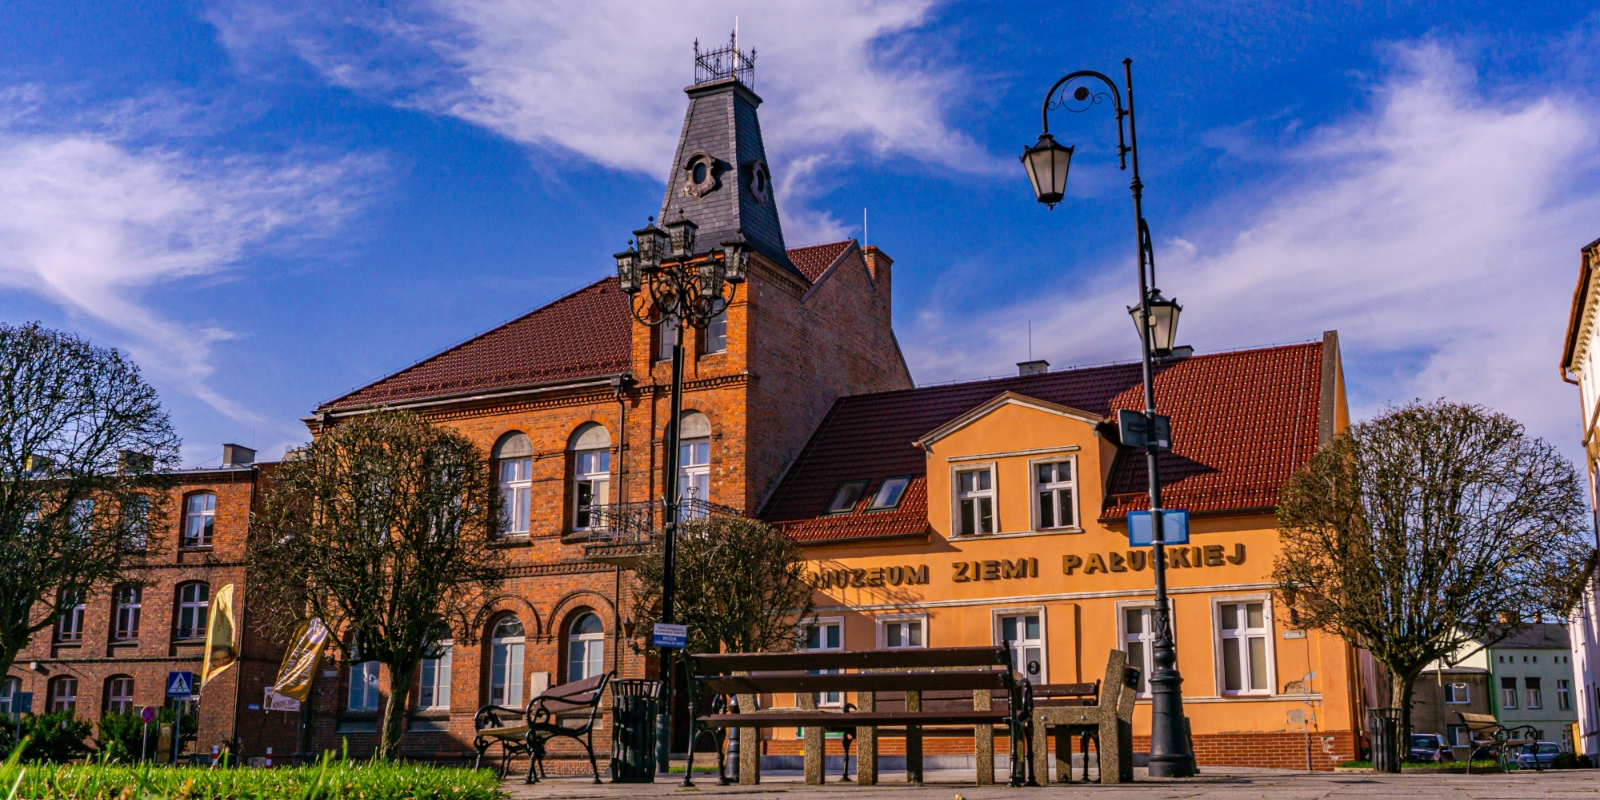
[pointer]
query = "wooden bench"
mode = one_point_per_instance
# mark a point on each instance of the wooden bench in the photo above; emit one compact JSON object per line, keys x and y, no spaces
{"x":1104,"y":714}
{"x":1486,"y":732}
{"x":982,"y":673}
{"x":525,"y":731}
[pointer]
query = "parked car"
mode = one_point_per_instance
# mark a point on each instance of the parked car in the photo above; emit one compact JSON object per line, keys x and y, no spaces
{"x":1541,"y":755}
{"x":1430,"y":747}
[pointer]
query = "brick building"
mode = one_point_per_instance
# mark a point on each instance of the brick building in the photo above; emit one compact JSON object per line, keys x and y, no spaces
{"x":114,"y":652}
{"x":571,"y":401}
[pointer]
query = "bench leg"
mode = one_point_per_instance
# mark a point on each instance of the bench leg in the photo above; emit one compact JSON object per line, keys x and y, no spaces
{"x":749,"y":756}
{"x":866,"y":756}
{"x":1041,"y":753}
{"x":914,"y":754}
{"x":983,"y":740}
{"x":816,"y":741}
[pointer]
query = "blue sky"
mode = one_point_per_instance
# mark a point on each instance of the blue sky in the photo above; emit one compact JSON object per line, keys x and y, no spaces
{"x":268,"y":203}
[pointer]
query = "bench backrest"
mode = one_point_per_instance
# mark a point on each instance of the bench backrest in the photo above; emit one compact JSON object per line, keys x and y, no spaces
{"x":1478,"y":722}
{"x":574,"y":696}
{"x":910,"y":658}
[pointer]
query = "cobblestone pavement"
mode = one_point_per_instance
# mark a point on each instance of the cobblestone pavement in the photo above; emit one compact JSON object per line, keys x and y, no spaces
{"x":1215,"y":783}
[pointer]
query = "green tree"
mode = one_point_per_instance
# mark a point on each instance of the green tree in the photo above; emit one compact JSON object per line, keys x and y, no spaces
{"x":1428,"y":528}
{"x":381,"y":529}
{"x":84,"y":444}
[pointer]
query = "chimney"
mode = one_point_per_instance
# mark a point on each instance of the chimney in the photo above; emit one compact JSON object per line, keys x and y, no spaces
{"x":237,"y":455}
{"x":1026,"y":368}
{"x":878,"y":262}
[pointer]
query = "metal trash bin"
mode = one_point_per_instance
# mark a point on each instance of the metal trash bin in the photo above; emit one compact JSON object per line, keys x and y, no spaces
{"x":1383,"y":728}
{"x":634,"y":705}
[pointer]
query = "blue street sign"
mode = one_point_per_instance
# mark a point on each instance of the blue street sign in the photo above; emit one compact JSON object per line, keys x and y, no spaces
{"x":1174,"y":527}
{"x":22,"y":703}
{"x":664,"y":635}
{"x":180,"y":684}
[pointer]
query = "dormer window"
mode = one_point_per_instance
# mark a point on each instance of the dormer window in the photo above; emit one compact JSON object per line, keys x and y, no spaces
{"x":889,"y":494}
{"x":701,"y":177}
{"x":846,"y":497}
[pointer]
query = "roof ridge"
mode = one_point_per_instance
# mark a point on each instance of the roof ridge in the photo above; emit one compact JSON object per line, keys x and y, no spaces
{"x":464,"y":342}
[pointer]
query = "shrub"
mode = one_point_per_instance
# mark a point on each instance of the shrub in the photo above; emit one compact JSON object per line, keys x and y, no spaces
{"x":1572,"y":761}
{"x":57,"y":737}
{"x":122,"y":735}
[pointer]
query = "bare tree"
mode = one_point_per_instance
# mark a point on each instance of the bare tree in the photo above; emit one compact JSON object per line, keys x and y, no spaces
{"x":83,"y":445}
{"x":742,"y":586}
{"x":1430,"y":527}
{"x":381,"y":529}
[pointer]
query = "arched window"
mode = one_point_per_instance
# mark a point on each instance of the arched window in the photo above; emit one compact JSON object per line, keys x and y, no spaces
{"x":694,"y":462}
{"x":128,"y":604}
{"x":63,"y":694}
{"x":194,"y":600}
{"x":199,"y":519}
{"x":586,"y":644}
{"x":8,"y":694}
{"x":505,"y":662}
{"x":69,"y":628}
{"x":119,"y":694}
{"x":513,"y":457}
{"x":591,"y":474}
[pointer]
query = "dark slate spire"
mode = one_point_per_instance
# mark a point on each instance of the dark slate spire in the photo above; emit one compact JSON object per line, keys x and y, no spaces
{"x":720,"y":178}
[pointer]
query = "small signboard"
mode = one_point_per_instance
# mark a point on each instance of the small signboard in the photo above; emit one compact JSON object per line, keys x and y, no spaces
{"x":1174,"y":527}
{"x":1136,"y":431}
{"x":665,"y":635}
{"x":147,"y":714}
{"x":277,"y":702}
{"x":22,"y":702}
{"x":180,"y":685}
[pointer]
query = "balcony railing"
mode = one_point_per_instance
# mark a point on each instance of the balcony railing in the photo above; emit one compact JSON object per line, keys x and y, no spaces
{"x":623,"y":532}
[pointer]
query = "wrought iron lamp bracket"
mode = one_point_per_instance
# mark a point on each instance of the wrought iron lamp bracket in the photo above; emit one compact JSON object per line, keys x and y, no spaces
{"x":1082,"y":99}
{"x":673,"y":292}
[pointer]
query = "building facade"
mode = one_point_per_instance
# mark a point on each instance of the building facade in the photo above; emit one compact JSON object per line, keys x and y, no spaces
{"x":1463,"y":686}
{"x":114,"y":651}
{"x":1532,"y":676}
{"x":1580,"y":365}
{"x":994,"y":512}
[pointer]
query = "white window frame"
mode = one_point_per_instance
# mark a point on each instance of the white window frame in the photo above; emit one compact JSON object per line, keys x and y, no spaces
{"x":905,"y":486}
{"x":509,"y":679}
{"x":205,"y":517}
{"x":588,"y":642}
{"x":1535,"y":694}
{"x":69,"y":627}
{"x":132,"y":611}
{"x":597,"y":482}
{"x":9,"y":687}
{"x":1217,"y":602}
{"x":199,"y":612}
{"x":1074,"y":485}
{"x":824,"y":699}
{"x":1461,"y":699}
{"x":689,"y":472}
{"x":668,"y":333}
{"x":433,"y":679}
{"x":956,"y":496}
{"x":516,"y":493}
{"x":1147,"y":637}
{"x":882,"y":621}
{"x":995,"y":617}
{"x":119,"y":703}
{"x":706,"y":337}
{"x":60,"y":700}
{"x":363,"y":694}
{"x":1563,"y":694}
{"x":1508,"y":695}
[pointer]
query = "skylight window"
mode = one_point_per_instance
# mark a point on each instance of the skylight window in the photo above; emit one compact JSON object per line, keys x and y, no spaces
{"x":845,"y":499}
{"x":889,"y":494}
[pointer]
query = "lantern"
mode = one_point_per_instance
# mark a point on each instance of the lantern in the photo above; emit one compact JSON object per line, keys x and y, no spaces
{"x":1047,"y":164}
{"x":652,"y":246}
{"x":1163,"y":322}
{"x":682,"y":231}
{"x":710,"y":278}
{"x":734,"y":260}
{"x":628,"y":269}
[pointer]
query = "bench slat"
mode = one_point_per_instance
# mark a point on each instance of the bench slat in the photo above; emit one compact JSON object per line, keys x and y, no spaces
{"x":769,"y":683}
{"x":910,"y":658}
{"x":839,"y":719}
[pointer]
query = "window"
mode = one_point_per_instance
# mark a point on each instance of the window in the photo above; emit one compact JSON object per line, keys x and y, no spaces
{"x":70,"y":627}
{"x":1563,"y":694}
{"x":694,"y":459}
{"x":363,"y":687}
{"x":128,"y":601}
{"x":974,"y":502}
{"x":119,"y":695}
{"x":889,"y":494}
{"x":591,"y":474}
{"x":824,"y":634}
{"x":505,"y":662}
{"x":586,"y":645}
{"x":8,"y":694}
{"x":1457,"y":694}
{"x":846,"y":498}
{"x":666,"y":339}
{"x":199,"y":519}
{"x":516,"y":492}
{"x":81,"y":522}
{"x":1138,"y":637}
{"x":1242,"y":631}
{"x":1024,"y":635}
{"x":900,"y":632}
{"x":434,"y":692}
{"x":194,"y":599}
{"x":1460,"y":736}
{"x":715,"y":337}
{"x":1508,"y":692}
{"x":136,"y":523}
{"x":1054,"y":494}
{"x":1535,"y":693}
{"x":64,"y":694}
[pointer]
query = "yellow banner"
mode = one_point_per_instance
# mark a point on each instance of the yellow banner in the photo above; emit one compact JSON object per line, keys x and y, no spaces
{"x":222,"y":647}
{"x":300,"y":660}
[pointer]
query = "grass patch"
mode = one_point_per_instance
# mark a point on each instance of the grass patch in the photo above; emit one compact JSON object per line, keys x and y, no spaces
{"x":329,"y":780}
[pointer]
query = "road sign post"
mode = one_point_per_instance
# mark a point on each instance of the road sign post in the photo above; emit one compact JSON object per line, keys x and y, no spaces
{"x":667,"y":635}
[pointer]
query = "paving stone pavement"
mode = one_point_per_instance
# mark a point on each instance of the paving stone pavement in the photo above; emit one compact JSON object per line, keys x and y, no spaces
{"x":1215,"y":783}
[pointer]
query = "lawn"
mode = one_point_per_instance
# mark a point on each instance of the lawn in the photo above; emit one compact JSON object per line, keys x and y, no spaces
{"x":330,"y":780}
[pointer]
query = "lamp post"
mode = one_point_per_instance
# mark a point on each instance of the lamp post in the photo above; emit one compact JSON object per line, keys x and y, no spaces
{"x":1157,"y":320}
{"x":668,"y":282}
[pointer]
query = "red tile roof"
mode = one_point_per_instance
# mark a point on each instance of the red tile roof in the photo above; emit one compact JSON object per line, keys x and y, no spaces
{"x":1241,"y":423}
{"x":814,"y":260}
{"x":586,"y":334}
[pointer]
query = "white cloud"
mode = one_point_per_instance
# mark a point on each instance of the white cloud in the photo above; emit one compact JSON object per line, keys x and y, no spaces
{"x":1437,"y":231}
{"x":601,"y":79}
{"x":93,"y":221}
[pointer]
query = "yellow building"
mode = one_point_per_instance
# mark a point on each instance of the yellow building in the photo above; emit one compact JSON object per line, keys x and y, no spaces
{"x":995,"y":511}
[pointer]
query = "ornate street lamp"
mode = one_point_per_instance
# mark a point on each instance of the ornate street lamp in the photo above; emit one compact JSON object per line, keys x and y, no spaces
{"x":668,"y":282}
{"x":1157,"y":320}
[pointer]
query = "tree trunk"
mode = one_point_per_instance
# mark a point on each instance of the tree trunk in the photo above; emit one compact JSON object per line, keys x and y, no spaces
{"x":394,"y":712}
{"x":1400,"y":685}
